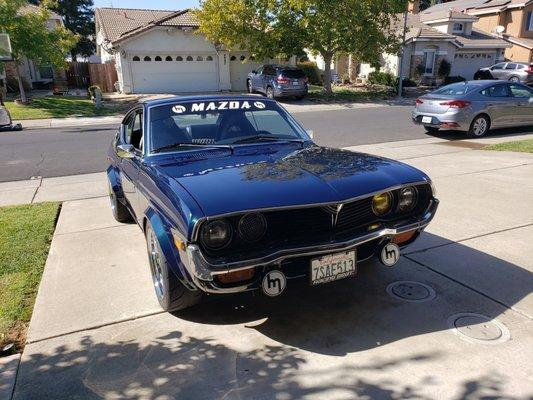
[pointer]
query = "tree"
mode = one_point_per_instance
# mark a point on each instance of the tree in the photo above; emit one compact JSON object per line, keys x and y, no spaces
{"x":78,"y":16}
{"x":270,"y":28}
{"x":31,"y":38}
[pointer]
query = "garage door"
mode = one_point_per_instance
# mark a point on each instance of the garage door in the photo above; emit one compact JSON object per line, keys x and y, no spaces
{"x":239,"y":68}
{"x":174,"y":73}
{"x":466,"y":64}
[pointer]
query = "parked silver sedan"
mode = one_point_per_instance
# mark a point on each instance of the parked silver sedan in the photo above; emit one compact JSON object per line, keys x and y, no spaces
{"x":475,"y":107}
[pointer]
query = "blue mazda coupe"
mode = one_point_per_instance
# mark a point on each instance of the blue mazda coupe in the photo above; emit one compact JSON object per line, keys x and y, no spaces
{"x":233,"y":195}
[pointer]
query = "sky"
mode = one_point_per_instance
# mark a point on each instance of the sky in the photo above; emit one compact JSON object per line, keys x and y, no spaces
{"x":150,"y":4}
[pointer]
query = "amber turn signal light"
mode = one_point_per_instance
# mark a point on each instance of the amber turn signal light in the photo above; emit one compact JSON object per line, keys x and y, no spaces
{"x":236,"y":276}
{"x":404,"y":237}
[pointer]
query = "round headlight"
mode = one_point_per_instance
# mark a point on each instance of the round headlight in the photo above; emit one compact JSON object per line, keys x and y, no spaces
{"x":407,"y":198}
{"x":252,"y":227}
{"x":382,"y":203}
{"x":216,"y":234}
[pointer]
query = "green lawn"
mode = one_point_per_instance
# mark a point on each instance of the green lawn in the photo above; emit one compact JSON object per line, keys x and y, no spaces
{"x":58,"y":107}
{"x":351,"y":94}
{"x":524,"y":146}
{"x":25,"y":236}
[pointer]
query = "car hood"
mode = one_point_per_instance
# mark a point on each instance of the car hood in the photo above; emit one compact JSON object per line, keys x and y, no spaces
{"x":270,"y":176}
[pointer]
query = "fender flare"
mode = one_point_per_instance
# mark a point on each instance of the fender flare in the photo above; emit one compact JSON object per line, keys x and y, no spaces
{"x":114,"y":181}
{"x":171,"y":254}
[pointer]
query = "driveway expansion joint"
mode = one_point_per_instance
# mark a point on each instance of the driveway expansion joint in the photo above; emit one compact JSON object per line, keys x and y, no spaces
{"x":509,"y":307}
{"x":93,"y":229}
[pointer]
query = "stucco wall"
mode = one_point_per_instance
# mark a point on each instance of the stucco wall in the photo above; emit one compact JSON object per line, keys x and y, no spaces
{"x":488,"y":22}
{"x":519,"y":53}
{"x":168,"y":40}
{"x":524,"y":32}
{"x":513,"y":22}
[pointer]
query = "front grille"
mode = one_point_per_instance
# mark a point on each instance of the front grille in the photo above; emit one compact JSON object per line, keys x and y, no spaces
{"x":315,"y":225}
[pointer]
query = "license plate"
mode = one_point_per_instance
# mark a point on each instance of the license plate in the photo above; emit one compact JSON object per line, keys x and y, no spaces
{"x":296,"y":84}
{"x":426,"y":120}
{"x":333,"y":267}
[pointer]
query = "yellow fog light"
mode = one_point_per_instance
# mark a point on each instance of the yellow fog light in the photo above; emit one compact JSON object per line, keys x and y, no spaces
{"x":382,"y":203}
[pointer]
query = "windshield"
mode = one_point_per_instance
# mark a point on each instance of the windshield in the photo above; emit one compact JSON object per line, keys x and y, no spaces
{"x":184,"y":125}
{"x":455,"y":89}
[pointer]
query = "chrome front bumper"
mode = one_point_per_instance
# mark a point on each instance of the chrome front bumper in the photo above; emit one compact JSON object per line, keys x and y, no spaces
{"x":203,"y":272}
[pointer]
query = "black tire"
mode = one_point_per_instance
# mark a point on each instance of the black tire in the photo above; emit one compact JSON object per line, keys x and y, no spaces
{"x":170,"y":292}
{"x":119,"y":210}
{"x":431,"y":129}
{"x":270,"y":93}
{"x":514,"y":79}
{"x":249,"y":86}
{"x":299,"y":97}
{"x":479,"y":127}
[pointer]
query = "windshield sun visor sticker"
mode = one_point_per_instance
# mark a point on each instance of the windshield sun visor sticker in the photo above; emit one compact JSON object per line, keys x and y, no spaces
{"x":218,"y":106}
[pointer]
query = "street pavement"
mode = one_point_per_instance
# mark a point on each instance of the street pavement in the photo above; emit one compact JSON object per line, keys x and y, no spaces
{"x":458,"y":326}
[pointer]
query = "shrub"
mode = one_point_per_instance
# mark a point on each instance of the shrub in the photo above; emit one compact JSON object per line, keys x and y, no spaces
{"x":346,"y":79}
{"x":444,"y":68}
{"x":420,"y":69}
{"x":311,"y":71}
{"x":406,"y":82}
{"x":92,"y":90}
{"x":381,"y":78}
{"x":453,"y":79}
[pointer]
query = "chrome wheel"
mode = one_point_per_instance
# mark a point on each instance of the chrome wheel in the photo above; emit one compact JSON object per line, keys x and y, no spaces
{"x":514,"y":79}
{"x":479,"y":128}
{"x":112,"y":198}
{"x":250,"y":90}
{"x":156,"y":265}
{"x":270,"y":93}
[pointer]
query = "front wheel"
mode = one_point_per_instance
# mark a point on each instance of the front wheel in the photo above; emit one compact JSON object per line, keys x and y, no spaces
{"x":119,"y":210}
{"x":250,"y":87}
{"x":270,"y":93}
{"x":514,"y":79}
{"x":479,"y":126}
{"x":171,"y":293}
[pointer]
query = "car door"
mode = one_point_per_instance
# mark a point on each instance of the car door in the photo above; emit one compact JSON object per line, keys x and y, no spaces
{"x":497,"y":71}
{"x":522,"y":98}
{"x":132,"y":134}
{"x":256,"y":79}
{"x":509,"y":71}
{"x":268,"y":75}
{"x":499,"y":105}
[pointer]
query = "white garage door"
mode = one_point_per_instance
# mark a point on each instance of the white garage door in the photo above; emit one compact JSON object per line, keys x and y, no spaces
{"x":174,"y":73}
{"x":240,"y":66}
{"x":466,"y":64}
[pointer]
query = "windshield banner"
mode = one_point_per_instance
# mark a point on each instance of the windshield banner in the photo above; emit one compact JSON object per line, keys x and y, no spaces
{"x":206,"y":106}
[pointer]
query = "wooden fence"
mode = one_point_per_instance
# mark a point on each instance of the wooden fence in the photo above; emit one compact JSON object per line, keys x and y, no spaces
{"x":103,"y":75}
{"x":78,"y":75}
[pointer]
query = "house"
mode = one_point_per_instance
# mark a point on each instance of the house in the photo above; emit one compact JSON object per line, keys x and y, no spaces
{"x":512,"y":20}
{"x":34,"y":74}
{"x":440,"y":34}
{"x":158,"y":51}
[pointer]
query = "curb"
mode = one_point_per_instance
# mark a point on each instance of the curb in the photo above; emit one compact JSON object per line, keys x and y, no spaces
{"x":9,"y":367}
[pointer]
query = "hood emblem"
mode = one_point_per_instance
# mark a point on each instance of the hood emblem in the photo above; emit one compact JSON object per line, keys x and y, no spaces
{"x":334,"y":211}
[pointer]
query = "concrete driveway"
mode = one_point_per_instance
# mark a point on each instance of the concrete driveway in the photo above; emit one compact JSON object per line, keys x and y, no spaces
{"x":451,"y":321}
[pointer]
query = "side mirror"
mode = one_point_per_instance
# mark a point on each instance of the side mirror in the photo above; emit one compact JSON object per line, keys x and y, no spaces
{"x":310,"y":133}
{"x":125,"y":151}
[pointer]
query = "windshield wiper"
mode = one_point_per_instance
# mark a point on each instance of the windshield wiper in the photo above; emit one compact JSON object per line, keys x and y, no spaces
{"x":175,"y":145}
{"x":265,"y":137}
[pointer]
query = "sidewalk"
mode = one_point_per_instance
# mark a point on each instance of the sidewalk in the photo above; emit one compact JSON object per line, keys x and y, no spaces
{"x":97,"y":331}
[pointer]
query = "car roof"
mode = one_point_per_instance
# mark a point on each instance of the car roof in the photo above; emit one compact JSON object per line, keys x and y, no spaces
{"x":185,"y":99}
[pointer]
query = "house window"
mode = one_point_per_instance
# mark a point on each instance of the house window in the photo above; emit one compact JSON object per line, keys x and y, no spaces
{"x":168,"y":58}
{"x":179,"y":58}
{"x":199,"y":58}
{"x":529,"y":21}
{"x":157,"y":58}
{"x":429,"y":61}
{"x":136,"y":58}
{"x":209,"y":58}
{"x":147,"y":58}
{"x":458,"y":27}
{"x":189,"y":58}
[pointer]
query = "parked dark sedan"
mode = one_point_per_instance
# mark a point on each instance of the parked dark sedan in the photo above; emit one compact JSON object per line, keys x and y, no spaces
{"x":233,"y":195}
{"x":277,"y":81}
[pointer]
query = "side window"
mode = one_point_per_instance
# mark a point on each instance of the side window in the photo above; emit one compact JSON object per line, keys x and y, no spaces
{"x":495,"y":91}
{"x":498,"y":66}
{"x":259,"y":70}
{"x":520,"y":91}
{"x":269,"y":71}
{"x":127,"y":123}
{"x":510,"y":66}
{"x":137,"y":130}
